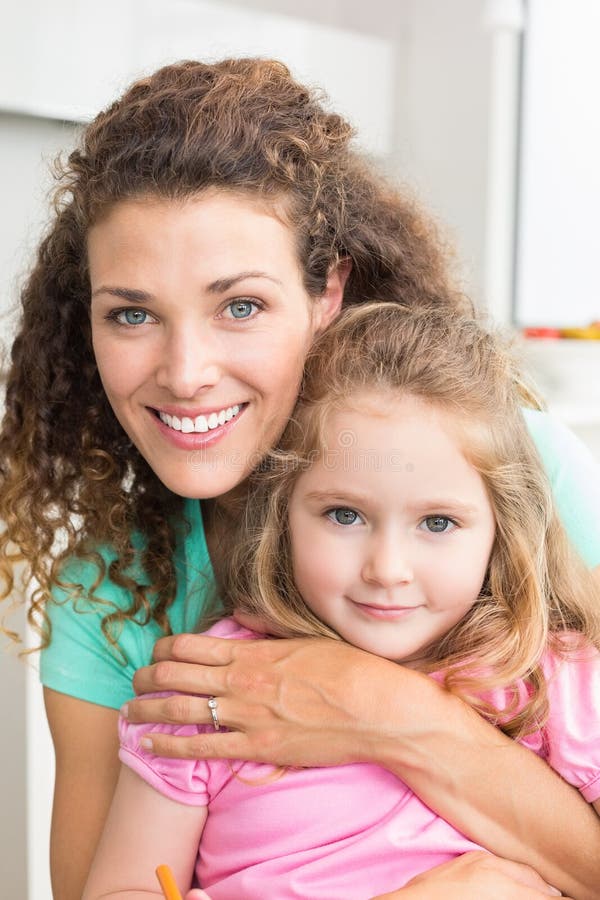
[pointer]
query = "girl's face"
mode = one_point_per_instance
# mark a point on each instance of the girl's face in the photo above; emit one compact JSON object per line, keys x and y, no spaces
{"x":392,"y":529}
{"x":200,"y":325}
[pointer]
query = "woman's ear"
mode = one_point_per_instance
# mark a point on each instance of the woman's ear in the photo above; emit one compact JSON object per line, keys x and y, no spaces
{"x":329,"y":304}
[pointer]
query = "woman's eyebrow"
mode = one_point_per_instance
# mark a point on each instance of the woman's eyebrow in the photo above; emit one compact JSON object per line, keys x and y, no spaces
{"x":220,"y":286}
{"x":132,"y":294}
{"x":224,"y":284}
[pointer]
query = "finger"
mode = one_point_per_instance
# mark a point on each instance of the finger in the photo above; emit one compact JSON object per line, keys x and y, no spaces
{"x":527,"y":876}
{"x":209,"y":745}
{"x":188,"y":678}
{"x":177,"y":709}
{"x":520,"y":873}
{"x":198,"y":648}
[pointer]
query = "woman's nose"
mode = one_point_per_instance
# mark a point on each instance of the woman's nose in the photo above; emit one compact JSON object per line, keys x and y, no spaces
{"x":191,"y":362}
{"x":388,"y":562}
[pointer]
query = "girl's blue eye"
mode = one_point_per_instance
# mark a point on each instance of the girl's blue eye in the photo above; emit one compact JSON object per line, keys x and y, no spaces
{"x":343,"y":516}
{"x":241,"y":309}
{"x":438,"y":524}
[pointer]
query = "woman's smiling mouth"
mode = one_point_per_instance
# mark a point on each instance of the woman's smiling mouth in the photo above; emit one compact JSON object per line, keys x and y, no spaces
{"x":201,"y":423}
{"x":194,"y":432}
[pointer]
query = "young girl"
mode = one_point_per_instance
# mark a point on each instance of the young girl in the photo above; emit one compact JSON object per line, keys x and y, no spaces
{"x":406,"y":512}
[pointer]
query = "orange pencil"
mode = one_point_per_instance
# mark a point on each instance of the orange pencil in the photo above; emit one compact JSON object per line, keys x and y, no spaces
{"x":167,"y":883}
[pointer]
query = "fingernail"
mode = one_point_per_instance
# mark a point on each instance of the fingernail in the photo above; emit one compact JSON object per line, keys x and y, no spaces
{"x":124,"y":710}
{"x":146,"y":743}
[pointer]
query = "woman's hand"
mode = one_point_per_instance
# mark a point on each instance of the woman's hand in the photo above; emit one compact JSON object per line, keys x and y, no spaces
{"x":300,"y":702}
{"x":475,"y":876}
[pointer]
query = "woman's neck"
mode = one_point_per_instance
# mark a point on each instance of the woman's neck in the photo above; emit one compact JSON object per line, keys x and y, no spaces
{"x":218,"y":516}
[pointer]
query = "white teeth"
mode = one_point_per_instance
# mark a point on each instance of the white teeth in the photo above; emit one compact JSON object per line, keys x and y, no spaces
{"x":200,"y":424}
{"x":187,"y":425}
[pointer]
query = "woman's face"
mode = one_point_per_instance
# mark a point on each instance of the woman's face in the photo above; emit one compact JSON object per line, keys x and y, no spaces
{"x":200,"y":325}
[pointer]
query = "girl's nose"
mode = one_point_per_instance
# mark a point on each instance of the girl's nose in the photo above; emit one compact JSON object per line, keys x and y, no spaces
{"x":388,"y":562}
{"x":191,"y":362}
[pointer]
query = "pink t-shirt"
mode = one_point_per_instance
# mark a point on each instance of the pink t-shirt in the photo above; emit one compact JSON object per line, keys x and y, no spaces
{"x":345,"y":832}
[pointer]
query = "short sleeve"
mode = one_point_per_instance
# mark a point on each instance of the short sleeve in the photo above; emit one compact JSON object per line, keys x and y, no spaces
{"x":575,"y":478}
{"x":190,"y":781}
{"x":183,"y":780}
{"x":80,"y":661}
{"x":573,"y":727}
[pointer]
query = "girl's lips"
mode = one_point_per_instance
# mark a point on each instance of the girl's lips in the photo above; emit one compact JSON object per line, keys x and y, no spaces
{"x":196,"y":440}
{"x":384,"y":612}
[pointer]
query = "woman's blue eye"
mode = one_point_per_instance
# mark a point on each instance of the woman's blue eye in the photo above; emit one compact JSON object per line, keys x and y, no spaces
{"x":241,"y":309}
{"x":131,"y":316}
{"x":343,"y":516}
{"x":438,"y":524}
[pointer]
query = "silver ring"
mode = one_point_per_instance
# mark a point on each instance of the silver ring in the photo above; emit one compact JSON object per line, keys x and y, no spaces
{"x":212,"y":705}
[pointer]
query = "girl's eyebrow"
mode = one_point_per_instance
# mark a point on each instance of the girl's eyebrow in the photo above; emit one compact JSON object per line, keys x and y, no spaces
{"x":337,"y":497}
{"x":445,"y":503}
{"x":220,"y":286}
{"x":439,"y":504}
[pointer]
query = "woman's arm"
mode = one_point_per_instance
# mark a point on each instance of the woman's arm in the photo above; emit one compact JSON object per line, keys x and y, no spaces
{"x":86,"y":747}
{"x":144,"y":829}
{"x":318,"y":702}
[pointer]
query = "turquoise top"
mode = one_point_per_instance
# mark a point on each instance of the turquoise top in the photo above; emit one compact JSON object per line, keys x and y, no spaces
{"x":80,"y":662}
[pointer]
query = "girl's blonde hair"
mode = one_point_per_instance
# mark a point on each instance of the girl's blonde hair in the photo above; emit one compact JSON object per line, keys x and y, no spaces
{"x":535,"y":589}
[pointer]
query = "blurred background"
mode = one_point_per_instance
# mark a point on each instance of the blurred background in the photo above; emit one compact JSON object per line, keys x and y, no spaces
{"x":486,"y":108}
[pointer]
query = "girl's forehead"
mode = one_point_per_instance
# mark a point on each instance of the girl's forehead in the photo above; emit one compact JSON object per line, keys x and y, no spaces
{"x":360,"y":421}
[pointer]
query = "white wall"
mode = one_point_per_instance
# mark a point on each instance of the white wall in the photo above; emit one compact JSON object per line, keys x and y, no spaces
{"x":442,"y":119}
{"x":559,"y":239}
{"x":27,"y":148}
{"x":13,"y":819}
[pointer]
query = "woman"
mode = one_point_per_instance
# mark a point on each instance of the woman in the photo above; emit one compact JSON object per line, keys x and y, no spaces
{"x":207,"y":229}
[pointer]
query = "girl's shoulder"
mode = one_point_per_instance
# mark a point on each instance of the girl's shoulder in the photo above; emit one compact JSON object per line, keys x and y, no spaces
{"x":571,"y":735}
{"x":574,"y":474}
{"x":229,"y":628}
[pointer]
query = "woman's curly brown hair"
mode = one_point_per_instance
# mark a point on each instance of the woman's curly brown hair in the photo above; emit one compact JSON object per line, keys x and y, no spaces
{"x":72,"y":479}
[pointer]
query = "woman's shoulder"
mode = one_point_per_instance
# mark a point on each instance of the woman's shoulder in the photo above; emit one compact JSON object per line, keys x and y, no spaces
{"x":553,"y":438}
{"x":80,"y":659}
{"x":574,"y":475}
